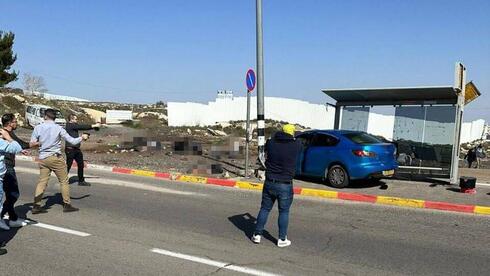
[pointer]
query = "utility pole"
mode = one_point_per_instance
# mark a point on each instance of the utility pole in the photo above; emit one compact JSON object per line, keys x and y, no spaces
{"x":460,"y":84}
{"x":260,"y":86}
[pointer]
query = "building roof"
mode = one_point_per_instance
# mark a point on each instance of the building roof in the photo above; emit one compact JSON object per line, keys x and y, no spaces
{"x":394,"y":95}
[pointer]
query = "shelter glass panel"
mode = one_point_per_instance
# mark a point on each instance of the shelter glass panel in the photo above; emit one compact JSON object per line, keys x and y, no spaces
{"x":355,"y":118}
{"x":425,"y":136}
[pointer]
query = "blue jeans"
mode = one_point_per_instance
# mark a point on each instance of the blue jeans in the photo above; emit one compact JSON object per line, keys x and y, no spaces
{"x":271,"y":192}
{"x":1,"y":192}
{"x":11,"y":189}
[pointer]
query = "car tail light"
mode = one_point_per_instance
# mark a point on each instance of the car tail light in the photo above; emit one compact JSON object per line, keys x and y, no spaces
{"x":363,"y":153}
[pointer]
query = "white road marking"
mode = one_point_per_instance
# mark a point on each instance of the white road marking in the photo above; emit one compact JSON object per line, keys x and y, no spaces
{"x":57,"y":228}
{"x":122,"y":183}
{"x":99,"y":167}
{"x":209,"y":262}
{"x":483,"y":184}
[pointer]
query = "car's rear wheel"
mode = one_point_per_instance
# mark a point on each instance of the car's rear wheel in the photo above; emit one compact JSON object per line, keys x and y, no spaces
{"x":338,"y":177}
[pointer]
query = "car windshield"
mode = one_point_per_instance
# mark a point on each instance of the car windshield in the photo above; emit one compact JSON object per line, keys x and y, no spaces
{"x":58,"y":113}
{"x":362,"y":138}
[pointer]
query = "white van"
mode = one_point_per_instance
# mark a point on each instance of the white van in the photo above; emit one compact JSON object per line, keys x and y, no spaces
{"x":35,"y":115}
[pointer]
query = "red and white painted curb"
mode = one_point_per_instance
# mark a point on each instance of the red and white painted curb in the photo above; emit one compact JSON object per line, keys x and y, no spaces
{"x":318,"y":193}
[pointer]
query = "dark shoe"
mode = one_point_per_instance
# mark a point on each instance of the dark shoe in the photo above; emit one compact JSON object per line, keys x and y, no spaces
{"x":37,"y":209}
{"x":68,"y":208}
{"x":3,"y":251}
{"x":83,"y":183}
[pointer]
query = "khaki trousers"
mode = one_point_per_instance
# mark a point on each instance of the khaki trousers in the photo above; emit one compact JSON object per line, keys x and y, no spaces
{"x":56,"y":164}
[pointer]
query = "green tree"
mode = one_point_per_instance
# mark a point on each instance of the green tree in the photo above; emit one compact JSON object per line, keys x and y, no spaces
{"x":7,"y":58}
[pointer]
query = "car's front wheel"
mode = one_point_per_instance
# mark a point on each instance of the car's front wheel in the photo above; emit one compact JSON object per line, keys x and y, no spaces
{"x":338,"y":177}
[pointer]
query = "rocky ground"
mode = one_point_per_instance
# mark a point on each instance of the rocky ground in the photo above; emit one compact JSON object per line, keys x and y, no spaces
{"x":114,"y":146}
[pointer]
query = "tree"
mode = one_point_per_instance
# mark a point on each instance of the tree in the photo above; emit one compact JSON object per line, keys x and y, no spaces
{"x":34,"y":83}
{"x":7,"y":58}
{"x":160,"y":103}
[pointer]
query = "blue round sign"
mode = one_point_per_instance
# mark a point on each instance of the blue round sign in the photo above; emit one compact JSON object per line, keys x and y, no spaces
{"x":250,"y":80}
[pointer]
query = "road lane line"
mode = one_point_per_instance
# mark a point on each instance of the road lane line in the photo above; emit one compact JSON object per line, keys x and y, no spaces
{"x":57,"y":228}
{"x":114,"y":182}
{"x":209,"y":262}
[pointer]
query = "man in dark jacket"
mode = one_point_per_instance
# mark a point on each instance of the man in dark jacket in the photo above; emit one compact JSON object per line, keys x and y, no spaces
{"x":281,"y":154}
{"x":73,"y":152}
{"x":471,"y":157}
{"x":10,"y":183}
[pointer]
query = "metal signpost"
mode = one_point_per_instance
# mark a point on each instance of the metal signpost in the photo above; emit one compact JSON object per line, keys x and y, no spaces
{"x":250,"y":81}
{"x":260,"y":86}
{"x":459,"y":83}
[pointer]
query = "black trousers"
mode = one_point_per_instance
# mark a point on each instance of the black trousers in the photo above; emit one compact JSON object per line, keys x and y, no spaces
{"x":11,"y":189}
{"x":77,"y":155}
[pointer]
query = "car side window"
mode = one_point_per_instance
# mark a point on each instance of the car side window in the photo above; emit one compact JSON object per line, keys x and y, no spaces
{"x":305,"y":139}
{"x":323,"y":140}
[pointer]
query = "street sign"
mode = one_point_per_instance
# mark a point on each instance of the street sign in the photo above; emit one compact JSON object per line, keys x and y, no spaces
{"x":250,"y":80}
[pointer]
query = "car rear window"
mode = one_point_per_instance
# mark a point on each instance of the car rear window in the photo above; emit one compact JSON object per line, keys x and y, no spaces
{"x":363,"y":138}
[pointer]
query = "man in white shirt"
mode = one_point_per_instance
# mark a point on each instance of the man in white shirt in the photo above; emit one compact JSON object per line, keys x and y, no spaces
{"x":49,"y":136}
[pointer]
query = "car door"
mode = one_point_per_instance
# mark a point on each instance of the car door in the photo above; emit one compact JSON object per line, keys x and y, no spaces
{"x":37,"y":118}
{"x":305,"y":140}
{"x":320,"y":153}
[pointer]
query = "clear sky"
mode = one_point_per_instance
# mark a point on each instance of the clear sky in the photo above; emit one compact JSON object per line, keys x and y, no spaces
{"x":144,"y":51}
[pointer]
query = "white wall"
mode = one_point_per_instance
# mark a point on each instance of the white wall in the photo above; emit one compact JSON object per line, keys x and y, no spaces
{"x":310,"y":115}
{"x":280,"y":109}
{"x":118,"y":116}
{"x":382,"y":125}
{"x":472,"y":131}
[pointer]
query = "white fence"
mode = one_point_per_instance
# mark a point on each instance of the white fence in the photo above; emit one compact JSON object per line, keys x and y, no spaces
{"x":118,"y":116}
{"x":307,"y":114}
{"x":224,"y":110}
{"x":472,"y":131}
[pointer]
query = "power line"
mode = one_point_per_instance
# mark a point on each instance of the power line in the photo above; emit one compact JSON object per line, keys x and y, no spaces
{"x":107,"y":86}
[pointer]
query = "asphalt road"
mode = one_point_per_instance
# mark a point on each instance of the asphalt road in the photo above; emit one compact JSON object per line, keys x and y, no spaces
{"x":130,"y":225}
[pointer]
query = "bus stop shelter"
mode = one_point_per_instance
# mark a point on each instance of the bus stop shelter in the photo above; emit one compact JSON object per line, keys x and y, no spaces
{"x":424,"y":122}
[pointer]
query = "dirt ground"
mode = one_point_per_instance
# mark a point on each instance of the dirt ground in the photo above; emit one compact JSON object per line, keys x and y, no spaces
{"x":113,"y":146}
{"x":106,"y":147}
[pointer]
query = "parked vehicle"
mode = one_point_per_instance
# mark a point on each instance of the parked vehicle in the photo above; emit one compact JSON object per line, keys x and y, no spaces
{"x":35,"y":115}
{"x":339,"y":156}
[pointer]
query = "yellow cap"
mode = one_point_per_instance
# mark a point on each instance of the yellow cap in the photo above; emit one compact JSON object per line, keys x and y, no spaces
{"x":289,"y":129}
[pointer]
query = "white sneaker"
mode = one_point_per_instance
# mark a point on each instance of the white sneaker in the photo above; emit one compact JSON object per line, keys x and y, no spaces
{"x":3,"y":225}
{"x":17,"y":223}
{"x":283,"y":243}
{"x":256,"y":238}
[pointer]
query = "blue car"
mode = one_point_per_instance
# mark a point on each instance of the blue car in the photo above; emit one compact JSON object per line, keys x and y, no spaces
{"x":340,"y":156}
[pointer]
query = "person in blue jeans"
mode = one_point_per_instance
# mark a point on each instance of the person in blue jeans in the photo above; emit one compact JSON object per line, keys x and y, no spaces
{"x":281,"y":153}
{"x":7,"y":146}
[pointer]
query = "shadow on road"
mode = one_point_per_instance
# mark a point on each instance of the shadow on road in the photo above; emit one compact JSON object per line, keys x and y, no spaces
{"x":456,"y":190}
{"x":58,"y":199}
{"x":22,"y":210}
{"x":73,"y":179}
{"x":246,"y":223}
{"x":7,"y":236}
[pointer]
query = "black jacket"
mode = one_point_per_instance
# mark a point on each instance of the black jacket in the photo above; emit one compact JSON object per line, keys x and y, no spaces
{"x":73,"y":129}
{"x":282,"y":151}
{"x":10,"y":158}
